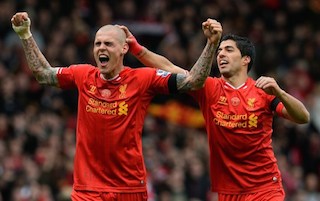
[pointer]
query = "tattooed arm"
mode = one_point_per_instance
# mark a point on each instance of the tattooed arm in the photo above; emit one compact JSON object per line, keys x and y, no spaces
{"x":200,"y":71}
{"x":38,"y":64}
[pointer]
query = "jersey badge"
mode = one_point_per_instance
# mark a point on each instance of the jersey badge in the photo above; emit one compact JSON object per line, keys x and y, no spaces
{"x":162,"y":73}
{"x":235,"y":101}
{"x":105,"y":92}
{"x":223,"y":100}
{"x":122,"y":90}
{"x":92,"y":89}
{"x":250,"y":102}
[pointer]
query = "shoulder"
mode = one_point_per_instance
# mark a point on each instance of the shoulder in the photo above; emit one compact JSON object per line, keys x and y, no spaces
{"x":250,"y":83}
{"x":147,"y":72}
{"x":259,"y":92}
{"x":82,"y":66}
{"x":78,"y":70}
{"x":212,"y":81}
{"x":210,"y":86}
{"x":139,"y":69}
{"x":75,"y":68}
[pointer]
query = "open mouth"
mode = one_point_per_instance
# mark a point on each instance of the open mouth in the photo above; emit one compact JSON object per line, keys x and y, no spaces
{"x":103,"y":59}
{"x":223,"y":62}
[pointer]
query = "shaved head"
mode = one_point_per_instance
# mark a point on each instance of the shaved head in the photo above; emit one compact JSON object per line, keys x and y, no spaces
{"x":109,"y":48}
{"x":121,"y":35}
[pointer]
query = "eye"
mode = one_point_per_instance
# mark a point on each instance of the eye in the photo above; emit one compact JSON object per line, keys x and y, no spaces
{"x":230,"y":49}
{"x":108,"y":44}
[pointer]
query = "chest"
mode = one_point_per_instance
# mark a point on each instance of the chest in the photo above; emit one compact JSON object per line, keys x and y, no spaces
{"x":240,"y":101}
{"x":109,"y":92}
{"x":109,"y":100}
{"x":239,"y":110}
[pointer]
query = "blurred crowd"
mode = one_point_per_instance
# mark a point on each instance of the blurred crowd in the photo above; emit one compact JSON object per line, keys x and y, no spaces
{"x":37,"y":124}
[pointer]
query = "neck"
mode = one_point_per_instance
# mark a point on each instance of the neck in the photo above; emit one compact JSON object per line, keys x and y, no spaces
{"x":236,"y":81}
{"x":109,"y":79}
{"x":111,"y":75}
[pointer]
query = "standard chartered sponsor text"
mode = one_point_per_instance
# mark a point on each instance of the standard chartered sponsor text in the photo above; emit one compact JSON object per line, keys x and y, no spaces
{"x":222,"y":115}
{"x":102,"y":107}
{"x":97,"y":103}
{"x":227,"y":120}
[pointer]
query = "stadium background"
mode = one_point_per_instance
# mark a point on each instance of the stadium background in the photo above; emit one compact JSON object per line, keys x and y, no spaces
{"x":37,"y":124}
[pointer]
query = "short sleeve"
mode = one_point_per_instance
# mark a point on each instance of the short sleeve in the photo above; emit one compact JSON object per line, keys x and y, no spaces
{"x":69,"y":76}
{"x":155,"y":81}
{"x":279,"y":108}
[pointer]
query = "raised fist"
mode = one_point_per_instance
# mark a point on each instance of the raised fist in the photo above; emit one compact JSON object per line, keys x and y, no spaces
{"x":21,"y":25}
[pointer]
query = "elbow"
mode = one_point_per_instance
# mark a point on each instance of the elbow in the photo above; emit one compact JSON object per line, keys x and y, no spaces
{"x":40,"y":79}
{"x":189,"y":82}
{"x":304,"y":119}
{"x":197,"y":83}
{"x":198,"y":86}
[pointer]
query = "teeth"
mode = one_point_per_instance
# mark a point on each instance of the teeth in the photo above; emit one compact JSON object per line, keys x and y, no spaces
{"x":223,"y":62}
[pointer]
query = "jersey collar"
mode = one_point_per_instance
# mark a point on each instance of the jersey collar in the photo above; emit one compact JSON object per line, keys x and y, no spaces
{"x":242,"y":86}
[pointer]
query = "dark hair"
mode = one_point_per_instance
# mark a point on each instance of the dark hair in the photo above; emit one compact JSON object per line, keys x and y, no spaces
{"x":245,"y":46}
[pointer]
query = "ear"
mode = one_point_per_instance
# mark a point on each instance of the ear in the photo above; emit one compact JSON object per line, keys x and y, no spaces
{"x":246,"y":60}
{"x":125,"y":48}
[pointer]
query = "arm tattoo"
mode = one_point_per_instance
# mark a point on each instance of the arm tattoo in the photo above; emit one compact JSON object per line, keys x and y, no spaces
{"x":199,"y":72}
{"x":38,"y":64}
{"x":182,"y":84}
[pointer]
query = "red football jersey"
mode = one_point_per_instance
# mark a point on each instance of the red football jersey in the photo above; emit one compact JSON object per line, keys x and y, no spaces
{"x":239,"y":127}
{"x":109,"y":125}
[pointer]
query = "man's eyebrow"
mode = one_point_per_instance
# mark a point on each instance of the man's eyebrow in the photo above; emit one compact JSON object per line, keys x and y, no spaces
{"x":229,"y":46}
{"x":226,"y":47}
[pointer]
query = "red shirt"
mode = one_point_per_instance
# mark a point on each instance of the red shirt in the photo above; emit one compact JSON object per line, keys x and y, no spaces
{"x":239,"y":127}
{"x":109,"y":125}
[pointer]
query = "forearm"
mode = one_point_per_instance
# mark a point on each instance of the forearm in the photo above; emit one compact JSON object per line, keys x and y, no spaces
{"x":38,"y":64}
{"x":294,"y":109}
{"x":151,"y":59}
{"x":200,"y":70}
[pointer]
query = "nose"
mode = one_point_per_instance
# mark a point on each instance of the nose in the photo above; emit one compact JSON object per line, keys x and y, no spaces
{"x":222,"y":52}
{"x":102,"y":46}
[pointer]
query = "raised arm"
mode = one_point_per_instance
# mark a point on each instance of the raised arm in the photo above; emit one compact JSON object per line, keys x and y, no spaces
{"x":37,"y":63}
{"x":294,"y":109}
{"x":200,"y":71}
{"x":149,"y":58}
{"x":212,"y":29}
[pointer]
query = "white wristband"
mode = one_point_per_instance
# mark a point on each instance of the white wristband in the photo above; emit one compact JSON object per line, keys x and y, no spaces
{"x":23,"y":30}
{"x":25,"y":35}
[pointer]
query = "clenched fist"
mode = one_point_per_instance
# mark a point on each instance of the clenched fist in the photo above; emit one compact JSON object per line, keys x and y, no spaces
{"x":21,"y":25}
{"x":212,"y":29}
